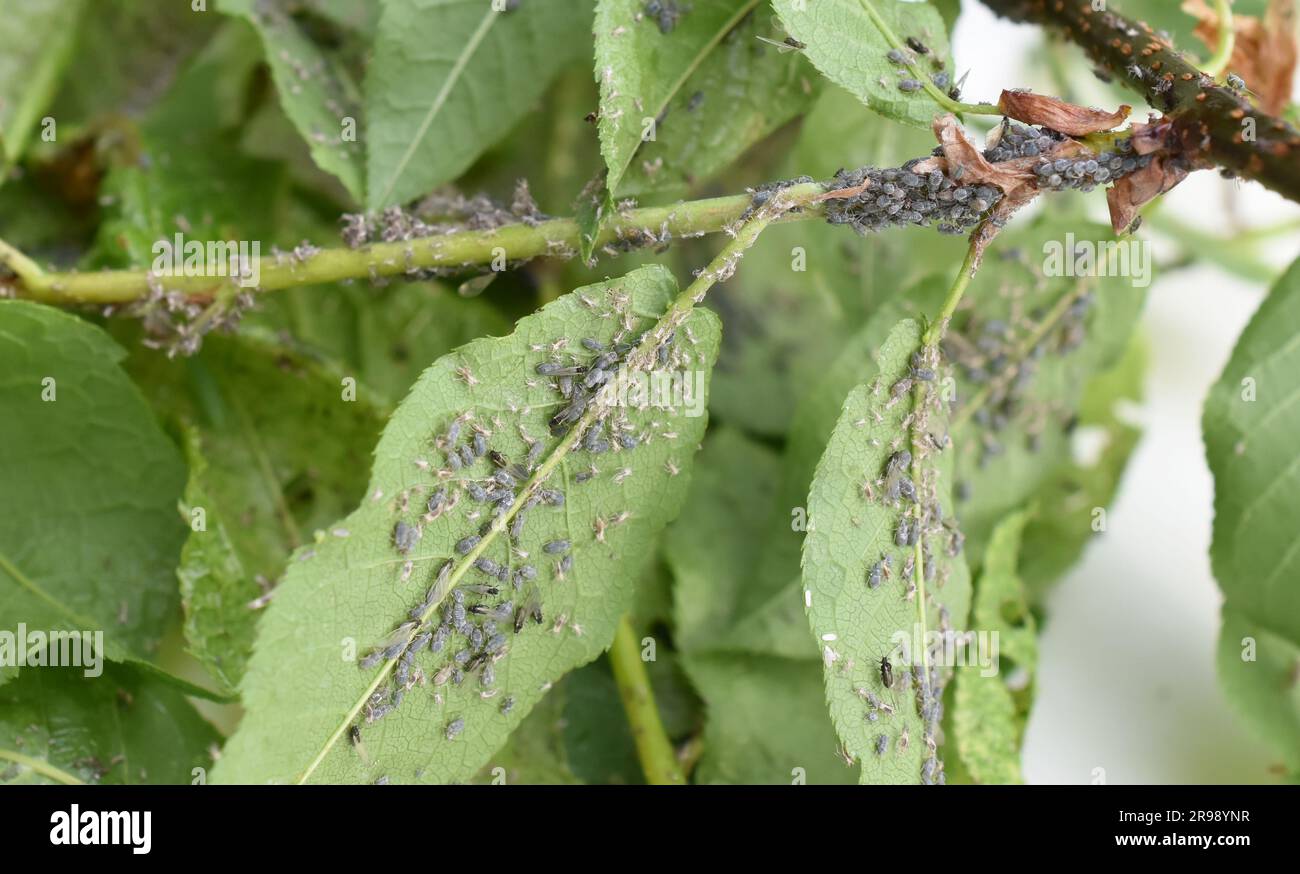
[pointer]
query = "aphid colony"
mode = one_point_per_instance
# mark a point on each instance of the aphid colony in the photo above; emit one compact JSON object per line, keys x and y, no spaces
{"x":465,"y":619}
{"x":1014,"y":140}
{"x":898,"y":196}
{"x":991,"y":354}
{"x":448,"y":212}
{"x":905,"y":58}
{"x":909,"y":486}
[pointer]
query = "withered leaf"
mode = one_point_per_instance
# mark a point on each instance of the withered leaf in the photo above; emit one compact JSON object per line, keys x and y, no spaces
{"x":1076,"y":121}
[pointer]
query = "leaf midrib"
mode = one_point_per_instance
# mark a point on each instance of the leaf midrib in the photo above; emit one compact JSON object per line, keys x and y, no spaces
{"x":439,"y":100}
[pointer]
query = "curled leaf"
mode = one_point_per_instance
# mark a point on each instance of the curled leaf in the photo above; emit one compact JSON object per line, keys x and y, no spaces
{"x":1076,"y":121}
{"x":1128,"y":194}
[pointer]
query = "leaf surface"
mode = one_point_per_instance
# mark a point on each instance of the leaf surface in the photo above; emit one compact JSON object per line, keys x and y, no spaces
{"x":304,"y":690}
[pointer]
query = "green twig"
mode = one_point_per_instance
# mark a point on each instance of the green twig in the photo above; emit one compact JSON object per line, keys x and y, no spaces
{"x":452,"y":251}
{"x":658,"y":760}
{"x":969,"y":265}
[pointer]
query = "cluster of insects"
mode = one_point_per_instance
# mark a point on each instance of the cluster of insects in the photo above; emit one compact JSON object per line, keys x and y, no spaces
{"x":489,"y":588}
{"x":923,"y":533}
{"x":176,"y":324}
{"x":992,"y":353}
{"x":899,"y":196}
{"x":905,"y":59}
{"x":439,"y":213}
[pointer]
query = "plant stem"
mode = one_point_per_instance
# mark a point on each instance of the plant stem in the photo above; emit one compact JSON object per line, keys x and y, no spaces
{"x":969,"y":265}
{"x":1216,"y":124}
{"x":658,"y":759}
{"x":459,"y":250}
{"x":1218,"y":62}
{"x":45,"y":769}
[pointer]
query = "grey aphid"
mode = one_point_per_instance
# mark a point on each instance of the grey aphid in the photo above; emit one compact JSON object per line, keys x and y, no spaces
{"x":595,"y":377}
{"x":551,"y":368}
{"x":476,"y":638}
{"x":457,"y":615}
{"x":872,"y":716}
{"x":627,"y":441}
{"x":504,"y":477}
{"x":420,"y":642}
{"x":482,"y":590}
{"x":480,"y":444}
{"x":454,"y":728}
{"x":566,"y":564}
{"x":504,"y":610}
{"x":462,"y":656}
{"x":507,"y":705}
{"x":440,"y":636}
{"x":896,"y":56}
{"x":495,"y":643}
{"x":592,"y":344}
{"x":489,"y":675}
{"x":555,"y":547}
{"x":453,"y":431}
{"x":436,"y":500}
{"x":476,"y":491}
{"x":371,"y":660}
{"x":526,"y":572}
{"x":466,"y":455}
{"x":882,"y":744}
{"x":517,"y":526}
{"x":453,"y":459}
{"x":457,"y":676}
{"x":465,"y":544}
{"x":909,"y":85}
{"x":405,"y":537}
{"x":486,"y":565}
{"x":551,"y":497}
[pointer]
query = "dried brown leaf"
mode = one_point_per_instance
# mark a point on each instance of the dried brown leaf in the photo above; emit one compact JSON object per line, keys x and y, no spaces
{"x":1075,"y":121}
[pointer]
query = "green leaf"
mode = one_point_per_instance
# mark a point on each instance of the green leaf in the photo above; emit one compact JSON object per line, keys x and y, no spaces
{"x":845,"y":42}
{"x":1262,"y":688}
{"x":450,"y":77}
{"x":772,"y":604}
{"x":710,"y":548}
{"x":315,"y":91}
{"x":88,"y":529}
{"x":1063,"y":524}
{"x":188,"y":177}
{"x":122,"y":727}
{"x":1250,"y":421}
{"x":988,"y":719}
{"x":303,"y":690}
{"x":261,"y":479}
{"x":383,"y":336}
{"x":714,"y":86}
{"x":1023,"y":362}
{"x":766,"y":722}
{"x":852,"y":528}
{"x":103,"y":81}
{"x":535,"y":753}
{"x":641,"y":70}
{"x":38,"y":40}
{"x":1251,"y":417}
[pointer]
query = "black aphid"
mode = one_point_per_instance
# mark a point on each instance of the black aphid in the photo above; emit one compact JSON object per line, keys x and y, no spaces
{"x":886,"y":672}
{"x":917,"y":46}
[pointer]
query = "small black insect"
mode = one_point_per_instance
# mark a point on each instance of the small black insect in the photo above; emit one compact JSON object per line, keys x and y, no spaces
{"x":917,"y":46}
{"x":886,"y":672}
